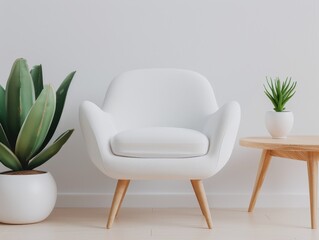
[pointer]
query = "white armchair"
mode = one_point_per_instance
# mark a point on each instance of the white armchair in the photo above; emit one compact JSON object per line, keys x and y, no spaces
{"x":159,"y":124}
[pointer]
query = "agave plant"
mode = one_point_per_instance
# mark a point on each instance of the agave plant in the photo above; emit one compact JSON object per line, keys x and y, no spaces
{"x":280,"y":93}
{"x":29,"y":116}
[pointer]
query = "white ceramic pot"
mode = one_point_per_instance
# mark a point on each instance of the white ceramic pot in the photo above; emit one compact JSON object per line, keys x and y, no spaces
{"x":26,"y":198}
{"x":279,"y":124}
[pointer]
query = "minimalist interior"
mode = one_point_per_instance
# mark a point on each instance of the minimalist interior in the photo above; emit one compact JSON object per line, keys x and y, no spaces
{"x":158,"y":98}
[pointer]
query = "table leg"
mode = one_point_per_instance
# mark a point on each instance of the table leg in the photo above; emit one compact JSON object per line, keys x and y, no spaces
{"x":312,"y":165}
{"x":263,"y":166}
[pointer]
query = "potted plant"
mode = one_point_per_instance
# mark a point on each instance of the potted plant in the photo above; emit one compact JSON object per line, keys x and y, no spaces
{"x":29,"y":116}
{"x":279,"y":122}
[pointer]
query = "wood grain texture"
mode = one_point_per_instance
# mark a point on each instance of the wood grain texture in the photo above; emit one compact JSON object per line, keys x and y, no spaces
{"x":261,"y":174}
{"x":202,"y":200}
{"x":305,"y":148}
{"x":293,"y":143}
{"x":123,"y":196}
{"x":295,"y":155}
{"x":197,"y":196}
{"x":312,"y":165}
{"x":120,"y":190}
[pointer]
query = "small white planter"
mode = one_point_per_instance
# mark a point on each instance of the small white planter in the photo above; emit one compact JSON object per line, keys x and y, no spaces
{"x":279,"y":124}
{"x":26,"y":198}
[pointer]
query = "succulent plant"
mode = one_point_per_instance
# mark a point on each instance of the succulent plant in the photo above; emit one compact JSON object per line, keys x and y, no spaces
{"x":280,"y":93}
{"x":29,"y":116}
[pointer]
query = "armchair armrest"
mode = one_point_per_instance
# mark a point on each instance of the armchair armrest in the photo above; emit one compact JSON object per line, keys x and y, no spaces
{"x":97,"y":128}
{"x":221,"y":128}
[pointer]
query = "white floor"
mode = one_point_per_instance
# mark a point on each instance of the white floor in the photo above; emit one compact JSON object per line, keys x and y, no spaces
{"x":181,"y":223}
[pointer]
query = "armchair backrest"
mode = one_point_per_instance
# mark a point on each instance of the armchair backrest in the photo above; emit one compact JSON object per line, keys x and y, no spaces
{"x":160,"y":97}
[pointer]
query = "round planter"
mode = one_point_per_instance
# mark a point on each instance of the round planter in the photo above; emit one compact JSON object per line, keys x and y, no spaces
{"x":279,"y":124}
{"x":26,"y":198}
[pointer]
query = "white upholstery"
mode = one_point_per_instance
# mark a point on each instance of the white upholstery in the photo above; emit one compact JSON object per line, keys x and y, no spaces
{"x":159,"y":98}
{"x":160,"y":142}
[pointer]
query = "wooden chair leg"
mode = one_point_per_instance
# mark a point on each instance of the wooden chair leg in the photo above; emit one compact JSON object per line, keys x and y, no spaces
{"x":263,"y":166}
{"x":118,"y":209}
{"x":117,"y":199}
{"x":202,"y":200}
{"x":197,"y":196}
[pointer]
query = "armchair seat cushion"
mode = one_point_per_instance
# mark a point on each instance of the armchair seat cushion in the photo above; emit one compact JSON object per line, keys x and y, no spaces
{"x":160,"y":142}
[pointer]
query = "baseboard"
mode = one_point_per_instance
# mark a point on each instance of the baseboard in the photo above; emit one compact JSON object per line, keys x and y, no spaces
{"x":83,"y":200}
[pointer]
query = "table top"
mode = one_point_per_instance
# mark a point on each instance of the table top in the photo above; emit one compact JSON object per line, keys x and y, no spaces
{"x":291,"y":143}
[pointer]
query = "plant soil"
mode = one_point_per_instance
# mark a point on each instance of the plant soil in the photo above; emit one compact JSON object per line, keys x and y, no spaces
{"x":24,"y":172}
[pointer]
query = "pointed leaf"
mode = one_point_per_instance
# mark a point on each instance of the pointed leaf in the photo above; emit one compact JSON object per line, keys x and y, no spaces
{"x":61,"y":94}
{"x":36,"y":125}
{"x":8,"y":159}
{"x":2,"y":105}
{"x":272,"y":87}
{"x":288,"y":98}
{"x":19,"y":98}
{"x":271,"y":98}
{"x":283,"y":86}
{"x":3,"y":137}
{"x":288,"y":84}
{"x":278,"y":89}
{"x":49,"y":152}
{"x":37,"y":78}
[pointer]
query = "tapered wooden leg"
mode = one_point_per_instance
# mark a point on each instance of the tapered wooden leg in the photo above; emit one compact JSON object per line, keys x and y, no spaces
{"x":202,"y":200}
{"x":313,"y":185}
{"x":263,"y":166}
{"x":117,"y":199}
{"x":197,"y":196}
{"x":118,"y":209}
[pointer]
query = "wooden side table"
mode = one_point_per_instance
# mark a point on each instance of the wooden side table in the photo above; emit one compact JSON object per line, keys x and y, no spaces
{"x":304,"y":148}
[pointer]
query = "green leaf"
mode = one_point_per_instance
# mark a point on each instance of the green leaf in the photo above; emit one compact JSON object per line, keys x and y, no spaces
{"x":49,"y":152}
{"x":36,"y":125}
{"x":288,"y":98}
{"x":270,"y":97}
{"x":8,"y":159}
{"x":271,"y":86}
{"x":284,"y":85}
{"x":3,"y":137}
{"x":288,"y":83}
{"x":19,"y":98}
{"x":2,"y":106}
{"x":278,"y":89}
{"x":37,"y":78}
{"x":61,"y":94}
{"x":290,"y":90}
{"x":279,"y":92}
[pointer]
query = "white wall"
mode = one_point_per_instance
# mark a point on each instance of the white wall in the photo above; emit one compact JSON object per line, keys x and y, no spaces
{"x":234,"y":43}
